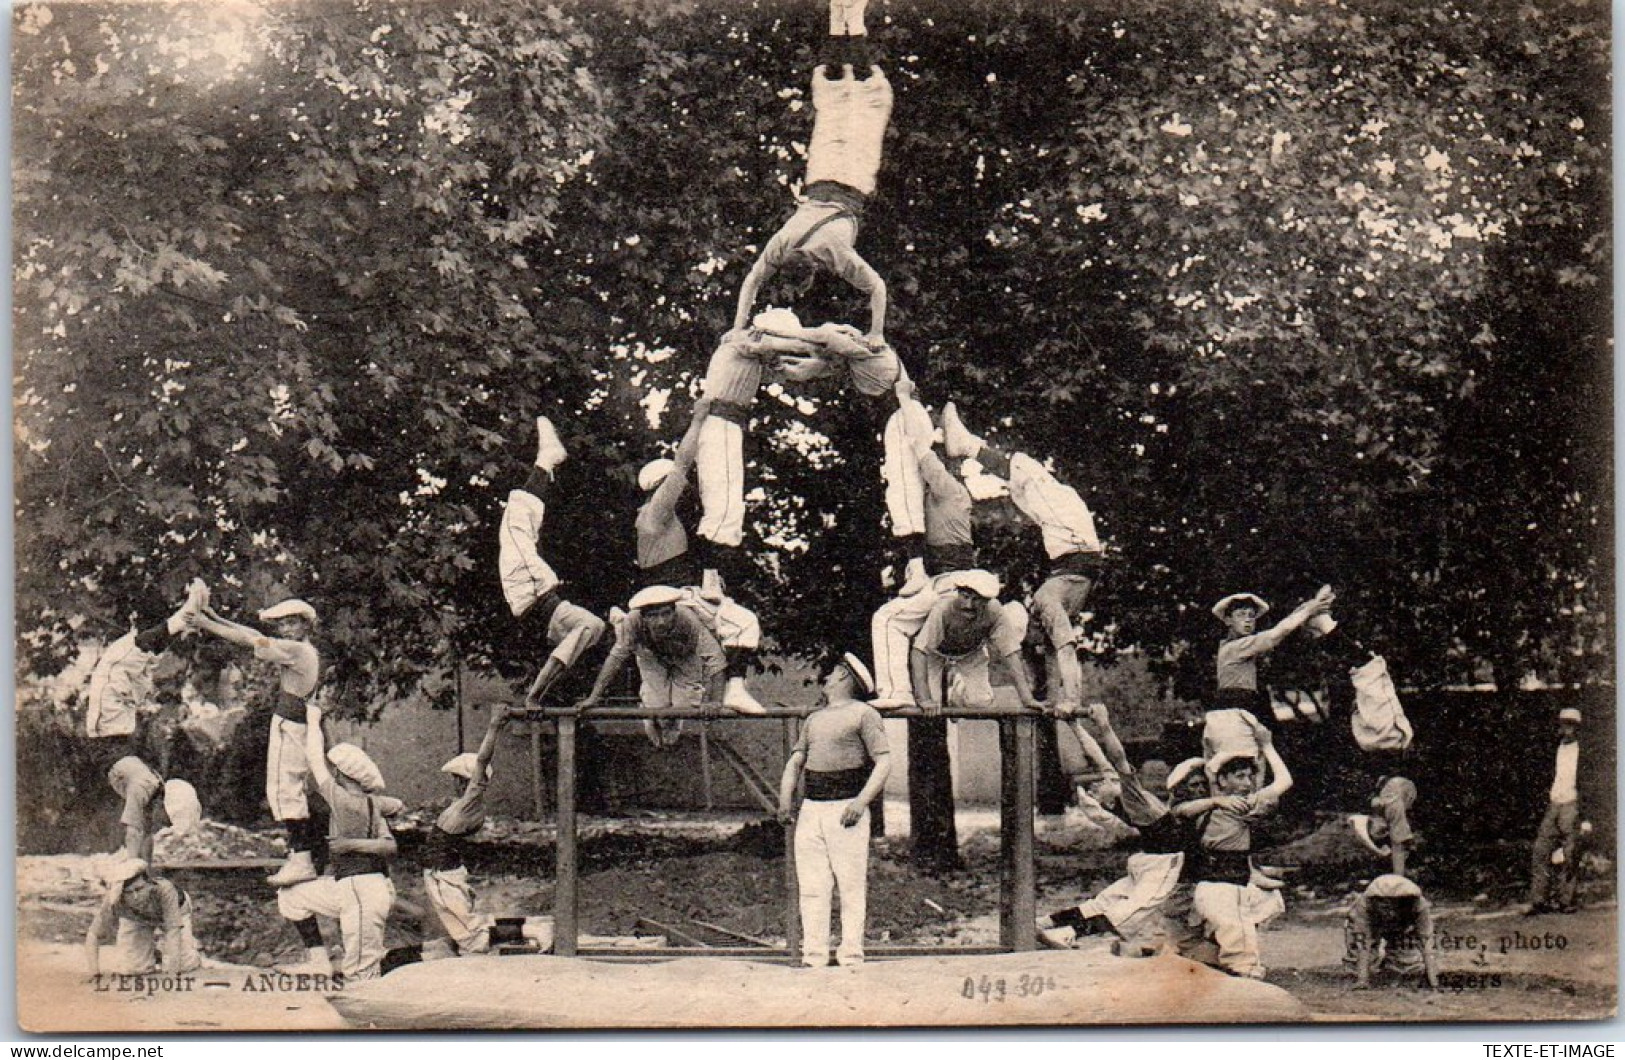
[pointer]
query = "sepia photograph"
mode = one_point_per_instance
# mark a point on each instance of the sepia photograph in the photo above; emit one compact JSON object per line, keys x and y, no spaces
{"x":540,"y":515}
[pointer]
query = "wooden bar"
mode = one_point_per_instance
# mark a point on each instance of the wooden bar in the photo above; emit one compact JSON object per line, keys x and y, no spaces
{"x":630,"y":711}
{"x":776,"y":956}
{"x":565,"y":926}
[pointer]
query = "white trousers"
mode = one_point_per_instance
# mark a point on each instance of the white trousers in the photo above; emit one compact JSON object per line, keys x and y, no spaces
{"x":1132,"y":903}
{"x":905,"y":490}
{"x":1231,"y":914}
{"x":735,"y":625}
{"x":452,"y":900}
{"x":286,"y":770}
{"x":831,"y":857}
{"x":721,"y":466}
{"x":322,"y":896}
{"x":1060,"y":514}
{"x":364,"y":903}
{"x":892,"y":631}
{"x":572,"y":631}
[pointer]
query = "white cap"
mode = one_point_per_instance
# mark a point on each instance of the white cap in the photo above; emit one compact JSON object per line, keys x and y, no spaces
{"x":1222,"y":608}
{"x":655,"y":596}
{"x":983,"y":583}
{"x":463,"y":766}
{"x":122,"y":870}
{"x":1180,"y":773}
{"x":289,"y":609}
{"x":1569,"y":714}
{"x":775,"y":320}
{"x":654,"y":473}
{"x":181,"y":805}
{"x":860,"y":672}
{"x":356,"y":764}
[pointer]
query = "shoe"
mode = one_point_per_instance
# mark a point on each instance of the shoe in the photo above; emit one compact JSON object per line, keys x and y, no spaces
{"x":957,"y":442}
{"x":914,"y":578}
{"x":890,"y":703}
{"x":711,"y":587}
{"x":1538,"y":909}
{"x":550,"y":451}
{"x":671,"y":731}
{"x":1056,"y":938}
{"x":197,"y":598}
{"x":739,"y":700}
{"x":1256,"y":973}
{"x":299,"y":868}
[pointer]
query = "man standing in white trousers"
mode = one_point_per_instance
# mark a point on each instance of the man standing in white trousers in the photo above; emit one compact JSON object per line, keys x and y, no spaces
{"x":844,"y":759}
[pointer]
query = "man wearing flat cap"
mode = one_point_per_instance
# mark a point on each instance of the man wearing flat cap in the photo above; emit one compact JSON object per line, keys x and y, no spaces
{"x":286,"y":770}
{"x":680,"y":662}
{"x":843,"y":759}
{"x":1552,"y":869}
{"x":154,"y":919}
{"x":967,"y":628}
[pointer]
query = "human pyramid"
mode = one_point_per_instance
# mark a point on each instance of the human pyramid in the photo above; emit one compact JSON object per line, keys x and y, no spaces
{"x":934,"y":648}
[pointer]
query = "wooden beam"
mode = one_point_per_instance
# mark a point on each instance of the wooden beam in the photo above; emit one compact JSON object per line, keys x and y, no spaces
{"x":566,"y":928}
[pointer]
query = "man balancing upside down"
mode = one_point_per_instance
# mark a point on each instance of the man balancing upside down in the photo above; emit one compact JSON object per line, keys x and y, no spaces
{"x":1070,"y":541}
{"x":843,"y":164}
{"x":121,"y":688}
{"x":665,"y":559}
{"x":541,"y":615}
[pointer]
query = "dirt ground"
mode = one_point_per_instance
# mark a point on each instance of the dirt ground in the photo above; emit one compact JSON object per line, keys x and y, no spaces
{"x":729,"y":872}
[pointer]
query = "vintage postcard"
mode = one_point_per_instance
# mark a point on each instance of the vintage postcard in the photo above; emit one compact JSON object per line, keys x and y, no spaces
{"x":910,"y":513}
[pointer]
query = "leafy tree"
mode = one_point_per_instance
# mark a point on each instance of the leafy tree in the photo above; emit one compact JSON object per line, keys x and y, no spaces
{"x":1293,"y":295}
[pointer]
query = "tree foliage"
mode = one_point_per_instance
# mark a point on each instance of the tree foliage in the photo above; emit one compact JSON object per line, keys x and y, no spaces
{"x":1293,"y":294}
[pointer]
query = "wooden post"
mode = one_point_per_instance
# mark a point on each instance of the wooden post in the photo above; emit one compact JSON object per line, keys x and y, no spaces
{"x":565,"y":928}
{"x":705,"y":765}
{"x":792,"y":888}
{"x":1018,"y":900}
{"x":536,"y":768}
{"x":1024,"y":899}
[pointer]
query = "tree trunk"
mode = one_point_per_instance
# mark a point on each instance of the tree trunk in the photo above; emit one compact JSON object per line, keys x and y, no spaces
{"x":931,"y":796}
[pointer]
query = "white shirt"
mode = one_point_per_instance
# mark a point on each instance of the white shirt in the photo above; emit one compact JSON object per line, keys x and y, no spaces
{"x":120,"y":685}
{"x":1564,"y":788}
